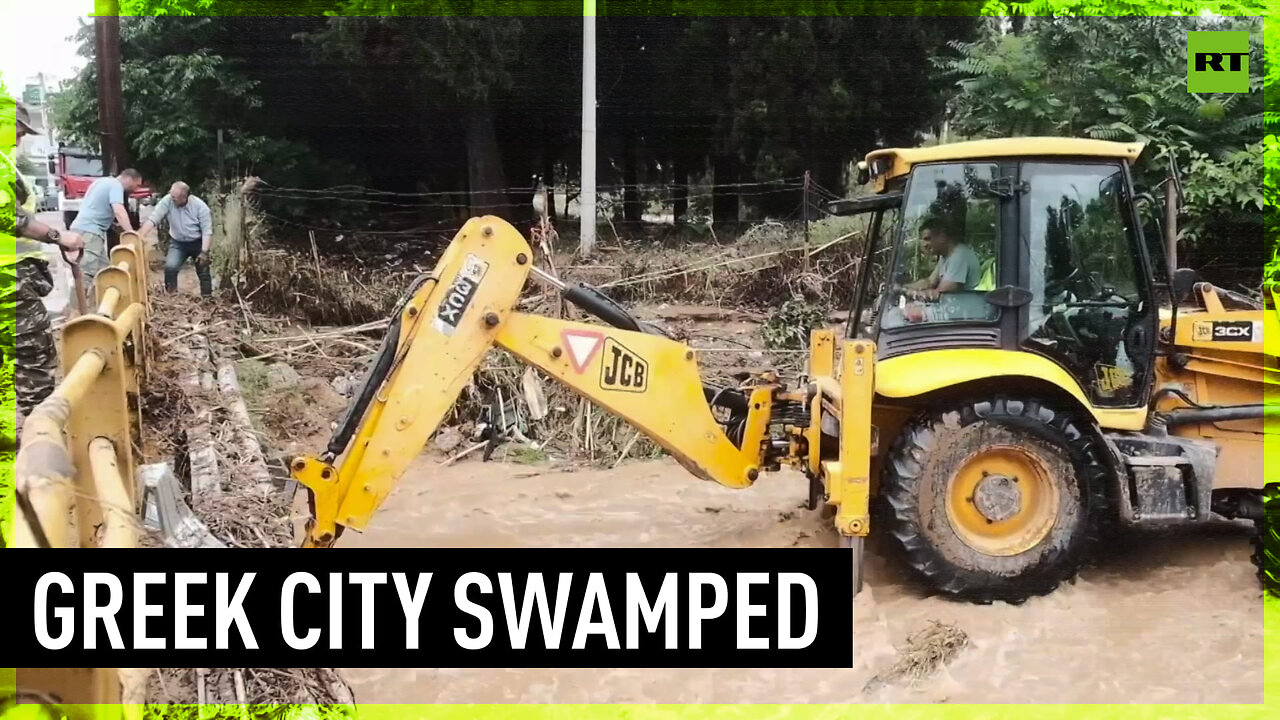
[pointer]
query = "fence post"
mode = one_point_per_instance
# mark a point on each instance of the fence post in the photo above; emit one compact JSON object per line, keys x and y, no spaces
{"x":806,"y":220}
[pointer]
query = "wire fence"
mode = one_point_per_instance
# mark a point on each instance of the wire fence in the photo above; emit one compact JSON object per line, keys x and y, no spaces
{"x":364,"y":211}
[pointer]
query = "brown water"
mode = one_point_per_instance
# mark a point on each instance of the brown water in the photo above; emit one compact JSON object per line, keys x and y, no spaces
{"x":1165,"y":619}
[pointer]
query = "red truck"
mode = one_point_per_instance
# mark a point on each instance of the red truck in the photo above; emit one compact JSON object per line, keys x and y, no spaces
{"x":74,"y":170}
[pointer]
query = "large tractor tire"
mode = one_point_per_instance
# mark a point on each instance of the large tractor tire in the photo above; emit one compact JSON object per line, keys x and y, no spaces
{"x":1266,"y":544}
{"x":995,"y":499}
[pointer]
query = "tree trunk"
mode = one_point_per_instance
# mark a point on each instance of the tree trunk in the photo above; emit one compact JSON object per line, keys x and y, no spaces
{"x":631,"y":207}
{"x":484,"y":165}
{"x":725,"y":201}
{"x":680,"y":190}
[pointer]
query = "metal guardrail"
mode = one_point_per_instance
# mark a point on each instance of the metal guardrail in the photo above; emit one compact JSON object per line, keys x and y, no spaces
{"x":76,"y":465}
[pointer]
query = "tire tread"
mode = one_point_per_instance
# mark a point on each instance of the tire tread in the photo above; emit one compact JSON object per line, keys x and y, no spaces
{"x":902,"y":490}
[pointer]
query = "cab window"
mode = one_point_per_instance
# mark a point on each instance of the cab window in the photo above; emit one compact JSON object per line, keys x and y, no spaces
{"x":1087,"y":310}
{"x":875,"y":264}
{"x":948,"y":258}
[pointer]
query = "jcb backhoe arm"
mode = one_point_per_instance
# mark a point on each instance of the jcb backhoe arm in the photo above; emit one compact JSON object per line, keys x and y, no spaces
{"x":444,"y":326}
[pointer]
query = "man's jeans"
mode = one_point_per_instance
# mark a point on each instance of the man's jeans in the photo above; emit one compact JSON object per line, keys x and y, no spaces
{"x":179,"y":253}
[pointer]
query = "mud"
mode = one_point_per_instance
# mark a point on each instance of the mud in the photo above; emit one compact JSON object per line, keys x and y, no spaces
{"x":1174,"y":619}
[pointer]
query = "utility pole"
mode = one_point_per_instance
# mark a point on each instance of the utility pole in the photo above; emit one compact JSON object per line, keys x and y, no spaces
{"x":587,"y":197}
{"x":106,"y":36}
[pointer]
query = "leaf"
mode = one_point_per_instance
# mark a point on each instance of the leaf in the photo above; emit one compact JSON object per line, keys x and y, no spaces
{"x":1193,"y":134}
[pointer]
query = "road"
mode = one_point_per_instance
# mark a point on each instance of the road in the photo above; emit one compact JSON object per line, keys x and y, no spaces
{"x":1156,"y":619}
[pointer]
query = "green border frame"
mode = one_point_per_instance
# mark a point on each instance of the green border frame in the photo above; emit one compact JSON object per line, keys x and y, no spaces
{"x":780,"y":7}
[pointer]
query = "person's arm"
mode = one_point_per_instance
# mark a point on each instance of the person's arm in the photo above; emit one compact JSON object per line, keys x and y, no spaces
{"x":118,"y":208}
{"x":158,"y":213}
{"x":122,"y":216}
{"x":926,"y":283}
{"x":32,"y":228}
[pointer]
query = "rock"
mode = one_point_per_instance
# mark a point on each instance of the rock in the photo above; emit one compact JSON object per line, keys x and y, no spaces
{"x":280,"y":375}
{"x":448,"y":439}
{"x":343,"y":385}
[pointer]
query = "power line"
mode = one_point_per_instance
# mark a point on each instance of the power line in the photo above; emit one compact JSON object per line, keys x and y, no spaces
{"x":663,"y":199}
{"x":782,"y":182}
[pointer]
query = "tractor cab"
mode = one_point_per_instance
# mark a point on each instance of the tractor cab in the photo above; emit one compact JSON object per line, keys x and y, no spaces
{"x":1025,"y":245}
{"x":1039,"y":369}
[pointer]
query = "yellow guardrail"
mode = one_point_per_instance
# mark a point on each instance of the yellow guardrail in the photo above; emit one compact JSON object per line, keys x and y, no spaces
{"x":75,"y":469}
{"x":75,"y":464}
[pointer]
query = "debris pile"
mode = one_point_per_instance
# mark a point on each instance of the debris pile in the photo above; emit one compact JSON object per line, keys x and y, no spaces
{"x":195,"y":408}
{"x":926,"y":651}
{"x":274,"y":693}
{"x":768,"y":265}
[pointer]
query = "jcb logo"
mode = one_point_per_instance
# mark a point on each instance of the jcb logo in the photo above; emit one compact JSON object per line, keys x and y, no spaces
{"x":1217,"y":61}
{"x":1112,"y":379}
{"x":623,"y":370}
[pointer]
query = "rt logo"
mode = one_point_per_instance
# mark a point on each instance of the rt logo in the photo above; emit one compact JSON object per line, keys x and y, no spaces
{"x":1217,"y":61}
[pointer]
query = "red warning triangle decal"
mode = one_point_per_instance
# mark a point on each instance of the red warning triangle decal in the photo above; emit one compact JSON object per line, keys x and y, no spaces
{"x":581,"y":346}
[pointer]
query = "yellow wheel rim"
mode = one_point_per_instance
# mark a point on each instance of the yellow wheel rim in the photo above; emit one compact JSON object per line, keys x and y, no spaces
{"x":1002,"y":500}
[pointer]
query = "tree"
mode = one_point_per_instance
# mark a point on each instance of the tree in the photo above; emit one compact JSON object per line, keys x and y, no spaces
{"x":783,"y":95}
{"x":178,"y":93}
{"x":1123,"y":79}
{"x":1123,"y":8}
{"x":460,"y":63}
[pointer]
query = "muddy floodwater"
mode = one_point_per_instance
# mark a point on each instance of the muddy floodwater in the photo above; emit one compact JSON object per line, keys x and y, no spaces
{"x":1161,"y":620}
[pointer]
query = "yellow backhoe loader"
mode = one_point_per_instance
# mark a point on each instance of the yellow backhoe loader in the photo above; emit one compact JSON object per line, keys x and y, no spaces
{"x":1001,"y":396}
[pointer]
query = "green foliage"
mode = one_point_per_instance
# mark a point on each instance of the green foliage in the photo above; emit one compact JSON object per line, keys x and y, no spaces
{"x":166,"y":8}
{"x":177,"y":95}
{"x":789,"y":326}
{"x":1121,"y":79}
{"x":469,"y":57}
{"x":525,"y":455}
{"x":189,"y":8}
{"x":1271,"y":182}
{"x":790,"y":94}
{"x":1114,"y":8}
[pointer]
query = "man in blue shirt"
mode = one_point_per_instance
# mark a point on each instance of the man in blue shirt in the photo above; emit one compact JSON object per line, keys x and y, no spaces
{"x":190,"y":232}
{"x":103,"y":204}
